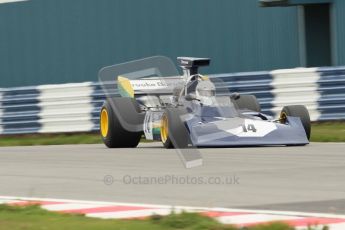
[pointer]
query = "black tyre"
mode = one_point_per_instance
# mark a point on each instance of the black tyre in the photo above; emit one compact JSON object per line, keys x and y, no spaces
{"x":112,"y":132}
{"x":298,"y":111}
{"x":248,"y":102}
{"x":174,"y":133}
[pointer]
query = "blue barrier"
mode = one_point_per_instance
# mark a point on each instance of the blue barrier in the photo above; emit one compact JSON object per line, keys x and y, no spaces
{"x":75,"y":107}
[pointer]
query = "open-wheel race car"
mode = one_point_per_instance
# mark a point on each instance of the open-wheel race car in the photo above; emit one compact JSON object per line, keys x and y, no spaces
{"x":188,"y":110}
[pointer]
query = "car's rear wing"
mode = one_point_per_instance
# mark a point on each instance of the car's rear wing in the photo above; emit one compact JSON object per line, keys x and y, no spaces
{"x":148,"y":86}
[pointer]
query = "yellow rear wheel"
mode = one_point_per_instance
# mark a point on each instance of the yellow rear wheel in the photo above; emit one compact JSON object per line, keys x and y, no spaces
{"x":104,"y":122}
{"x":113,"y":134}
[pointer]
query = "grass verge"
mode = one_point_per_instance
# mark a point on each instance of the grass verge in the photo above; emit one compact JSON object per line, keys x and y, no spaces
{"x":321,"y":132}
{"x":35,"y":218}
{"x":328,"y":132}
{"x":50,"y":139}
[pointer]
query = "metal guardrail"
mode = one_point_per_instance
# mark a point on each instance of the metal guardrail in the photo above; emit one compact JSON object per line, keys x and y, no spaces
{"x":75,"y":107}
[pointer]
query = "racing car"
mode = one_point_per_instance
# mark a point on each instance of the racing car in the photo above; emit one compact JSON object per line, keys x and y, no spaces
{"x":187,"y":111}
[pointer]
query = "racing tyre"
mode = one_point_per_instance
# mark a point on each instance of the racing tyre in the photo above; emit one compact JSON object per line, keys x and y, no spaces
{"x":248,"y":102}
{"x":174,"y":133}
{"x":298,"y":111}
{"x":112,"y":132}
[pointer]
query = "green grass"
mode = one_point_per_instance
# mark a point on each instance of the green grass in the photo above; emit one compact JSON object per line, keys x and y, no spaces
{"x":50,"y":139}
{"x":35,"y":218}
{"x":321,"y":132}
{"x":328,"y":132}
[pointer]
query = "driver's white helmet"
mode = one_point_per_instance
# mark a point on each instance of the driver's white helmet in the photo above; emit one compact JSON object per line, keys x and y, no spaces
{"x":205,"y":92}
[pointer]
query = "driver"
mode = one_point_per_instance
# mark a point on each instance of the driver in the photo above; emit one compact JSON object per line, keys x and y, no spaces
{"x":206,"y":92}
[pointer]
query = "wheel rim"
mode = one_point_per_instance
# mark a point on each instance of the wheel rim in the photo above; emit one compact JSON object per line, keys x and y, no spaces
{"x":283,"y":117}
{"x":164,"y":129}
{"x":104,"y":122}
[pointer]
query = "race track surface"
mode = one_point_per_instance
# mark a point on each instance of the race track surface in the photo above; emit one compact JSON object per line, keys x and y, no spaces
{"x":308,"y":179}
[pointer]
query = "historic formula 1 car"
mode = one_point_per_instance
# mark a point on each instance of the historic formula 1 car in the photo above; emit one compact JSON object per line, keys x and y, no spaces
{"x":184,"y":111}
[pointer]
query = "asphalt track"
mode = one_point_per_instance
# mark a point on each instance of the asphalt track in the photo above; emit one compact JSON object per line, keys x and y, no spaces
{"x":307,"y":179}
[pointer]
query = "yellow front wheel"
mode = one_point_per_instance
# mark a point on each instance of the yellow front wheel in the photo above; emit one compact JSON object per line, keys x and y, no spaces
{"x":299,"y":111}
{"x":174,"y":133}
{"x":165,"y":132}
{"x":164,"y":128}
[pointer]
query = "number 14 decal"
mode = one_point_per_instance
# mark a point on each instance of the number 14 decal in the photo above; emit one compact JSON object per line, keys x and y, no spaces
{"x":249,"y":128}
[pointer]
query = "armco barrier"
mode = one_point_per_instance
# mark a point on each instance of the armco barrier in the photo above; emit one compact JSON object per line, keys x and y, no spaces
{"x":75,"y":107}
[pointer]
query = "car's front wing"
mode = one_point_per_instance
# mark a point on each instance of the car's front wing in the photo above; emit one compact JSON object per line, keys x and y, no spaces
{"x":246,"y":132}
